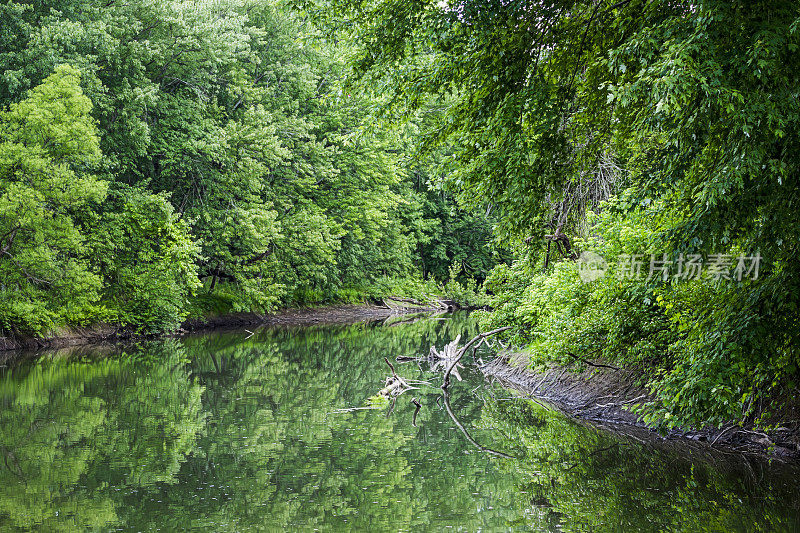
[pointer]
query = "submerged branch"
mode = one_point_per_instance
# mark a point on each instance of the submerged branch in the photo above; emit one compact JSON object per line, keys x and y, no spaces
{"x":395,"y":385}
{"x":419,"y":406}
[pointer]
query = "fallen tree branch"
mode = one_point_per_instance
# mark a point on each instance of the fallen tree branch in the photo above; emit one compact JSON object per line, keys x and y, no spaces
{"x":395,"y":385}
{"x":443,"y":358}
{"x":462,"y":351}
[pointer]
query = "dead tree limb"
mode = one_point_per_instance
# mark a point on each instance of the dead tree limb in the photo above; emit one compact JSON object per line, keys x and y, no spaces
{"x":462,"y":351}
{"x":395,"y":385}
{"x":445,"y":357}
{"x":419,"y":406}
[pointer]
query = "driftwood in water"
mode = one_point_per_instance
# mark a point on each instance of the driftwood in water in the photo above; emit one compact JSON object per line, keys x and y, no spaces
{"x":398,"y":304}
{"x":449,"y":357}
{"x":455,"y":359}
{"x":443,"y":359}
{"x":394,"y":385}
{"x":438,"y":360}
{"x":416,"y":411}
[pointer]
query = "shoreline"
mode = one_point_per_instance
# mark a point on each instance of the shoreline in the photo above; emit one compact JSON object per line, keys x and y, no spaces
{"x":12,"y":349}
{"x":601,"y":397}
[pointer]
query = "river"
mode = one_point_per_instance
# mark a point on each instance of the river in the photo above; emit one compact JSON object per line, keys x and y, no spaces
{"x":228,"y":431}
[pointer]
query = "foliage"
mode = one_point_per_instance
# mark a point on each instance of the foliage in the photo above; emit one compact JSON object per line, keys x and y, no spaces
{"x":241,"y":174}
{"x":466,"y":294}
{"x":48,"y":145}
{"x":695,"y":103}
{"x":703,"y":362}
{"x":228,"y":432}
{"x":146,"y":258}
{"x":450,"y":235}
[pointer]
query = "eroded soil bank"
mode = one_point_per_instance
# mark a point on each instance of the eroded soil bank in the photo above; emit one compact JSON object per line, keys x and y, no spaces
{"x":604,"y":397}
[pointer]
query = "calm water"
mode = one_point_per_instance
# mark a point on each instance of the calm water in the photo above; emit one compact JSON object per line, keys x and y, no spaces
{"x":224,"y":433}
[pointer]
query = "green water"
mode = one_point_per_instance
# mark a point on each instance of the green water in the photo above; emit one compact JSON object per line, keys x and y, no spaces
{"x":221,"y":432}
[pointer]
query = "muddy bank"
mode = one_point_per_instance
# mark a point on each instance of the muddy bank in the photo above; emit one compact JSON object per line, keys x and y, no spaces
{"x":13,"y":348}
{"x":604,"y":397}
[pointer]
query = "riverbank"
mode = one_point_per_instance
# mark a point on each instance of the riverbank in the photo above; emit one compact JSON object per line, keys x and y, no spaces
{"x":604,"y":396}
{"x":10,"y":347}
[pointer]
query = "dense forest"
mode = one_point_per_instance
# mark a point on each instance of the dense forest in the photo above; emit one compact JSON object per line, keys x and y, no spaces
{"x":169,"y":159}
{"x":621,"y":176}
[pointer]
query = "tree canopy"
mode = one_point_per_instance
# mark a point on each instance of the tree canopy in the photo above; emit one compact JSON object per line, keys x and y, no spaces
{"x":673,"y":126}
{"x":211,"y":160}
{"x":161,"y":160}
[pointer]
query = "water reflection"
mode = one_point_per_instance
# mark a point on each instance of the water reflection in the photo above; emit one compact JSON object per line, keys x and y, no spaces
{"x":220,"y":432}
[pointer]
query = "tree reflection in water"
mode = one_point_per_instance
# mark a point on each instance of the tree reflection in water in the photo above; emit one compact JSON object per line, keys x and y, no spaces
{"x":226,"y":433}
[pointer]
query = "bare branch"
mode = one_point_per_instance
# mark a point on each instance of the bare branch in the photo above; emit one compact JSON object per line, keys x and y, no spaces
{"x":460,"y":354}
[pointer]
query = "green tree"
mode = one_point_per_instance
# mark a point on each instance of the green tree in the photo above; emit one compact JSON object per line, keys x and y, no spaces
{"x":48,"y":148}
{"x":146,"y":259}
{"x":233,"y":155}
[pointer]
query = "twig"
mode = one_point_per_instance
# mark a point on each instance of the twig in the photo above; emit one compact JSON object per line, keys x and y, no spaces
{"x":596,"y":365}
{"x":419,"y":406}
{"x":398,"y":378}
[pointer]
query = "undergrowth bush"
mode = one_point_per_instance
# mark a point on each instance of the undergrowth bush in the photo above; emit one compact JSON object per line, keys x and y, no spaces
{"x":707,"y":349}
